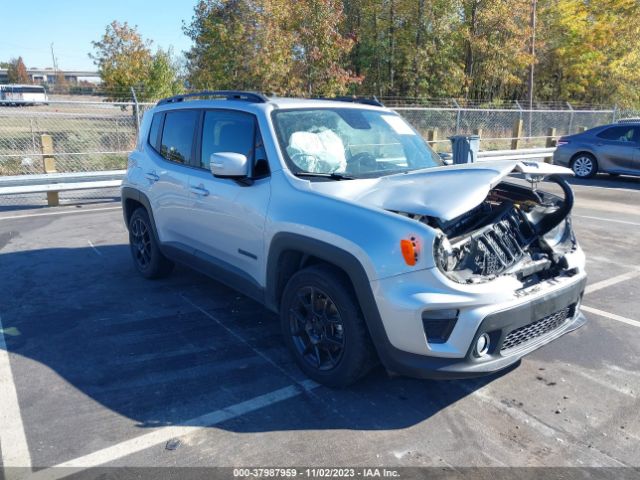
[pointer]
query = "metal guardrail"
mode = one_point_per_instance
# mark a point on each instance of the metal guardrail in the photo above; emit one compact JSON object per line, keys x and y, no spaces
{"x":79,"y":178}
{"x":523,"y":154}
{"x":53,"y":183}
{"x":60,"y":182}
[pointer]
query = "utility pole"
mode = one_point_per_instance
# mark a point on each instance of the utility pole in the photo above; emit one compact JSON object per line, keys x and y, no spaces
{"x":58,"y":79}
{"x":534,"y":7}
{"x":54,"y":60}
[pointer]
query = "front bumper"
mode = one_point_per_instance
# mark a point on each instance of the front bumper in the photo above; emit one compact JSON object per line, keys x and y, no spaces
{"x":406,"y":350}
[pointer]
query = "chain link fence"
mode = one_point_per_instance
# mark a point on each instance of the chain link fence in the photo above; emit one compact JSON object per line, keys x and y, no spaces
{"x":497,"y":126}
{"x":92,"y":136}
{"x":85,"y":136}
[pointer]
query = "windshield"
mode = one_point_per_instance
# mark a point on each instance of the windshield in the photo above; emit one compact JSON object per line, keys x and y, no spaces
{"x":352,"y":142}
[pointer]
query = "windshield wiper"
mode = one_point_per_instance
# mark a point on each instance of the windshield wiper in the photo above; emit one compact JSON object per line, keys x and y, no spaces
{"x":332,"y":176}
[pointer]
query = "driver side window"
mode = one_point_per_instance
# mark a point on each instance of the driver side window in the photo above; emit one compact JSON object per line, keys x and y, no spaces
{"x":619,"y":134}
{"x":225,"y":131}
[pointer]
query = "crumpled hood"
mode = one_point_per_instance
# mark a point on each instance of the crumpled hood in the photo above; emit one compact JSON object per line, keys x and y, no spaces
{"x":442,"y":192}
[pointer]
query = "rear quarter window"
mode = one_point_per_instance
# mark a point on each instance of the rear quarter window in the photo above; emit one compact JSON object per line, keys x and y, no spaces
{"x":154,"y":131}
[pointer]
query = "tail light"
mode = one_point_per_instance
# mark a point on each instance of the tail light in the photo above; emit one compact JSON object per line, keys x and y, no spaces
{"x":562,"y":141}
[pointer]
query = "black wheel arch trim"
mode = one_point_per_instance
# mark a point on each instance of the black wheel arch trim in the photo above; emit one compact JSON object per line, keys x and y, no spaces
{"x":129,"y":193}
{"x":347,"y":262}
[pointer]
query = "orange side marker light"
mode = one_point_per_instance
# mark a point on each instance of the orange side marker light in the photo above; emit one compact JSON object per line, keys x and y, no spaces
{"x":410,"y":251}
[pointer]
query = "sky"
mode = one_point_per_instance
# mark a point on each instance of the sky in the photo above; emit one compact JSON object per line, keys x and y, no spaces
{"x":30,"y":26}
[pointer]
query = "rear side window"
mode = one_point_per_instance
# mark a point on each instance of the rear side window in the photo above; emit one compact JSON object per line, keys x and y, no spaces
{"x":619,"y":134}
{"x":178,"y":134}
{"x":227,"y":132}
{"x":154,"y":130}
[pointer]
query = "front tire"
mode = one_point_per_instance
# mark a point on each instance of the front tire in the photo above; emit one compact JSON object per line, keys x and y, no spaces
{"x":584,"y":165}
{"x":324,"y":327}
{"x":147,"y":257}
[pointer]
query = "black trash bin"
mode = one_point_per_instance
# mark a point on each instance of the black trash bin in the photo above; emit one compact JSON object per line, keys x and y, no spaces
{"x":465,"y":148}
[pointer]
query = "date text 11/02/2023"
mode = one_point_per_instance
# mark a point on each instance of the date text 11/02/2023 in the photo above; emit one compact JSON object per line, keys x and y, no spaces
{"x":314,"y":472}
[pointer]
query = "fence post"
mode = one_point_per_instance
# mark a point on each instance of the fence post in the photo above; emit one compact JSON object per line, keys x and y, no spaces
{"x":136,"y":110}
{"x":478,"y":132}
{"x":519,"y":109}
{"x":457,"y":116}
{"x":516,"y":134}
{"x":33,"y":136}
{"x":570,"y":118}
{"x":49,"y":164}
{"x":551,"y":138}
{"x":582,"y":129}
{"x":432,"y":138}
{"x":615,"y":114}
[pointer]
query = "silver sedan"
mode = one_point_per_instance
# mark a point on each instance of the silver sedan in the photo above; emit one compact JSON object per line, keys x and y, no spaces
{"x":613,"y":149}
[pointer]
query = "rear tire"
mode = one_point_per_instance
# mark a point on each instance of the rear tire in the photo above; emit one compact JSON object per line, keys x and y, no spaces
{"x":324,"y":327}
{"x":584,"y":165}
{"x":147,"y":257}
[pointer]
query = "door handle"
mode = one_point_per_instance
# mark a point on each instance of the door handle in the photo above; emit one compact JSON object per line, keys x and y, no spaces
{"x":199,"y":190}
{"x":152,"y":176}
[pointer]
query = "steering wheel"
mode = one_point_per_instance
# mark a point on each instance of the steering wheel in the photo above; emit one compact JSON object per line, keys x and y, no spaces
{"x":362,"y":162}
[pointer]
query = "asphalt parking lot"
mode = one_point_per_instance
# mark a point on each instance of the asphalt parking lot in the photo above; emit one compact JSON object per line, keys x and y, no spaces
{"x":101,"y":367}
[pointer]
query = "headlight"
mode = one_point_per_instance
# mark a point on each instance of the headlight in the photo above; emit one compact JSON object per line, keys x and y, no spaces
{"x":560,"y":235}
{"x":444,"y":254}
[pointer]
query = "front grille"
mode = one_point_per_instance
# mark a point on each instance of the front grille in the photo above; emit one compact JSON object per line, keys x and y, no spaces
{"x":501,"y":245}
{"x":536,"y":329}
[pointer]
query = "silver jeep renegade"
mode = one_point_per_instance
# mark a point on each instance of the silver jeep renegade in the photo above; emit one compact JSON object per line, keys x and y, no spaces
{"x":337,"y":215}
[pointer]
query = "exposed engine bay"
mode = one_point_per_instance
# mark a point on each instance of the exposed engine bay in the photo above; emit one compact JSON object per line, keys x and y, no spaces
{"x":516,"y":231}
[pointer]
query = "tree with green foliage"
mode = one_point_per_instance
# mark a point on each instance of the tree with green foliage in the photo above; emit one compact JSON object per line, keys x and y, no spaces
{"x":586,"y":50}
{"x":321,"y":49}
{"x":125,"y":61}
{"x":223,"y":33}
{"x":17,"y":72}
{"x":406,"y":47}
{"x":591,"y":51}
{"x":496,"y":48}
{"x":271,"y":45}
{"x":163,"y":79}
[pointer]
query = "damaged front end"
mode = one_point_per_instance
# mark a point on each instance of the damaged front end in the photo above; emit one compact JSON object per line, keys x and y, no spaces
{"x":516,"y":231}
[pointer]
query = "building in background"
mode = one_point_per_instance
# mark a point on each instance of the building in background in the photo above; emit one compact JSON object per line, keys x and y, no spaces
{"x":49,"y":76}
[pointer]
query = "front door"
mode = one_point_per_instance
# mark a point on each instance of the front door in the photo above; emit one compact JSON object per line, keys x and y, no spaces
{"x":616,"y":147}
{"x":227,"y":217}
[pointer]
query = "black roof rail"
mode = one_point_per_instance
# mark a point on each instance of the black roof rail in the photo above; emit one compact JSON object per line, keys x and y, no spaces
{"x":364,"y":100}
{"x":253,"y":97}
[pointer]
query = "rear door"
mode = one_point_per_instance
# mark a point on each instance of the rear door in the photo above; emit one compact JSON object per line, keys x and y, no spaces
{"x":168,"y":173}
{"x":616,"y":147}
{"x":227,"y":217}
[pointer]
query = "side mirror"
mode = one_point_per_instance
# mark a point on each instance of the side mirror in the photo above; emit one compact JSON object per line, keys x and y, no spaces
{"x":228,"y":165}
